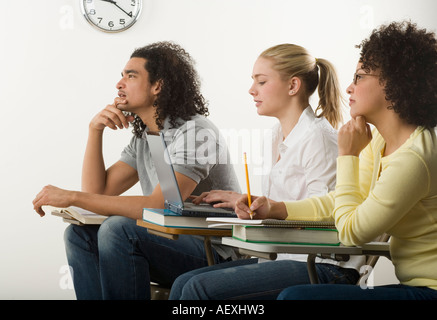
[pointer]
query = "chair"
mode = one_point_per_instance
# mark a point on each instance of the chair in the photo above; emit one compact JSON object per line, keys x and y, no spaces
{"x":371,"y":261}
{"x":158,"y":292}
{"x":373,"y":252}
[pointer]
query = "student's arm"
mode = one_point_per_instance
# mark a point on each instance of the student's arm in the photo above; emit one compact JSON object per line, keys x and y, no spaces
{"x":359,"y":217}
{"x":353,"y":137}
{"x":362,"y":214}
{"x":396,"y":192}
{"x":128,"y":206}
{"x":319,"y":207}
{"x":95,"y":177}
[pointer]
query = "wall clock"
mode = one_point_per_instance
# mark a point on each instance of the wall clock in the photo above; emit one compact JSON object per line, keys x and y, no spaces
{"x":111,"y":15}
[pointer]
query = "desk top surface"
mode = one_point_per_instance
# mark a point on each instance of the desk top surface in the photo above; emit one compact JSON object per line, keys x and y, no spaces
{"x":189,"y":231}
{"x":305,"y":249}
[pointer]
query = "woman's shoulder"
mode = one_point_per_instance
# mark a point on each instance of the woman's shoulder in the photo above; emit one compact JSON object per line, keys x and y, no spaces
{"x":321,"y":130}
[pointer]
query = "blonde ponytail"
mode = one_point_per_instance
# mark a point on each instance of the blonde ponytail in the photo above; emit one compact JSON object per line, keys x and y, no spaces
{"x":330,"y":98}
{"x":291,"y":60}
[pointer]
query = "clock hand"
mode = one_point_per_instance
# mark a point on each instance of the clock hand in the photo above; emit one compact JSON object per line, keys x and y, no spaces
{"x":129,"y":14}
{"x":110,"y":1}
{"x":115,"y":3}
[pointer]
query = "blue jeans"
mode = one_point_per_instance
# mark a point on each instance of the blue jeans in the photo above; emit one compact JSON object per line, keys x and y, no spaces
{"x":248,"y":279}
{"x":341,"y":292}
{"x":119,"y":259}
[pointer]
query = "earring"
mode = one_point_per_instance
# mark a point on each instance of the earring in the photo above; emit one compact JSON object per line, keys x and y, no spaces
{"x":292,"y":92}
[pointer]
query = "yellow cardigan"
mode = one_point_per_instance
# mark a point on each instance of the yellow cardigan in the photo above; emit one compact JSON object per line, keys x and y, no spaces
{"x":396,"y":194}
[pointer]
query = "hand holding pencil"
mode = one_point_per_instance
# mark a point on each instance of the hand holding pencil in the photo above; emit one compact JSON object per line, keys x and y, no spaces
{"x":264,"y":207}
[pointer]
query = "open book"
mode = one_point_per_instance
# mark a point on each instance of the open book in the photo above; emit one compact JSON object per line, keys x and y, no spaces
{"x":76,"y":215}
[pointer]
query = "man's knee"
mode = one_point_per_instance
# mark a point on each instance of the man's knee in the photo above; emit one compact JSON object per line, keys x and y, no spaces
{"x":111,"y":225}
{"x":115,"y":228}
{"x":74,"y":234}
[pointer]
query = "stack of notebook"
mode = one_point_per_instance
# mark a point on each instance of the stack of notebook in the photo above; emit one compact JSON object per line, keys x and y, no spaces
{"x":280,"y":231}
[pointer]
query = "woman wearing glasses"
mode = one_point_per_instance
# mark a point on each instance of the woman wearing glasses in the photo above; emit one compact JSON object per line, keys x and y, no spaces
{"x":386,"y":179}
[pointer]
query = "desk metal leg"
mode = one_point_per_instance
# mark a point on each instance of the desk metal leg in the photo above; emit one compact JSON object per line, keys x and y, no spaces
{"x":208,"y":250}
{"x":311,"y":265}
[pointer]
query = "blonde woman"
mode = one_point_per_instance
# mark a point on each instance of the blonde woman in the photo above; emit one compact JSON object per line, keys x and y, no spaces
{"x":303,"y":164}
{"x":304,"y":146}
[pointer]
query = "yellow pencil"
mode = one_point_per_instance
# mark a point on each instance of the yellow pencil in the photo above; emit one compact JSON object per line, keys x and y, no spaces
{"x":249,"y":199}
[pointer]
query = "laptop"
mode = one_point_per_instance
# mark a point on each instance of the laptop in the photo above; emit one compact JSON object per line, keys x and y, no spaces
{"x":169,"y":185}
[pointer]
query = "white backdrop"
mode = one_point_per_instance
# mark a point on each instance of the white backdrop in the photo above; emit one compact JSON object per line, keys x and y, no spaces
{"x":57,"y":72}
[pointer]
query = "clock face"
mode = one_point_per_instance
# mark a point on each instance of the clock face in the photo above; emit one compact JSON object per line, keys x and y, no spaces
{"x":111,"y":15}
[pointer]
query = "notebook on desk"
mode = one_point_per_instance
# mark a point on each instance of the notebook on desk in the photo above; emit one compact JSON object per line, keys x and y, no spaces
{"x":169,"y":185}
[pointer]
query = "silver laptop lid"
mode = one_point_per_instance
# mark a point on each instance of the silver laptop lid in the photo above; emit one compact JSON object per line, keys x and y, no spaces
{"x":164,"y":170}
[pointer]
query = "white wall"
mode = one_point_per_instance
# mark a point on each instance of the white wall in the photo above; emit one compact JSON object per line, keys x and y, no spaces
{"x":57,"y":72}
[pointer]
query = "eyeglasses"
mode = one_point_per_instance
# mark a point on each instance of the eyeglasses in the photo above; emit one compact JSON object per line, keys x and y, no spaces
{"x":357,"y":76}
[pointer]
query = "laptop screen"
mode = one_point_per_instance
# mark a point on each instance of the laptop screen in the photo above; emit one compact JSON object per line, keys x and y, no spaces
{"x":164,"y":168}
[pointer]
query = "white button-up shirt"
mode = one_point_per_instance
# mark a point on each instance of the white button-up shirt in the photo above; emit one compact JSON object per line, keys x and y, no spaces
{"x":304,"y":163}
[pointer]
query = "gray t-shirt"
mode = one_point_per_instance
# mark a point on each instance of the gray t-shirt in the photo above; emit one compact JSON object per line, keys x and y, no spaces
{"x":197,"y":150}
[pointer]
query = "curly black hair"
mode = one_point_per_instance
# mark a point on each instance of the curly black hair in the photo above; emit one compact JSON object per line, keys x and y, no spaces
{"x":407,"y":60}
{"x":179,"y":97}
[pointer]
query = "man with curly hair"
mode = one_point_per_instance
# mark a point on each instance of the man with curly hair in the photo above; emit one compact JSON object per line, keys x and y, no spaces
{"x":386,"y":178}
{"x":159,"y":91}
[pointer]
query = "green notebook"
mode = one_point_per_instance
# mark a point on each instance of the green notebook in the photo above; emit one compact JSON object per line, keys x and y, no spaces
{"x":286,"y":235}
